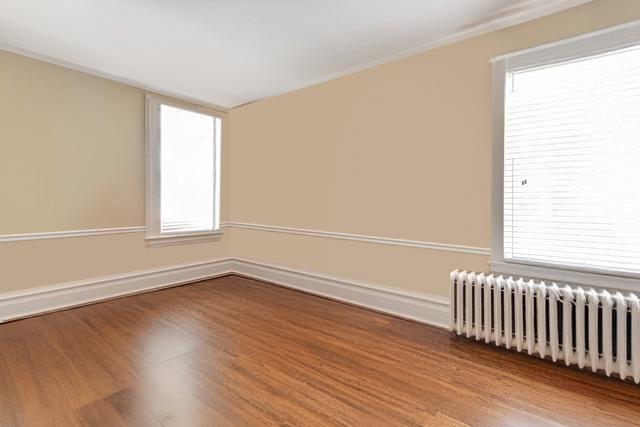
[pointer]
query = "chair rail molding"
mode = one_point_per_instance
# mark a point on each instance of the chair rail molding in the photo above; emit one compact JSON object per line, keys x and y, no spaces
{"x":447,"y":247}
{"x":69,"y":233}
{"x":362,"y":238}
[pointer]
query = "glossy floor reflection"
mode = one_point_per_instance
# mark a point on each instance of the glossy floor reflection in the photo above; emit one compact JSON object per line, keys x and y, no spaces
{"x":234,"y":351}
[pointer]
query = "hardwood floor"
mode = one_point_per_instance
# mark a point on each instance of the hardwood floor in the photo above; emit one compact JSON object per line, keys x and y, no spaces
{"x":234,"y":351}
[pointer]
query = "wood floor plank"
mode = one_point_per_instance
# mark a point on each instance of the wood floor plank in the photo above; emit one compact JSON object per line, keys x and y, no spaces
{"x":234,"y":351}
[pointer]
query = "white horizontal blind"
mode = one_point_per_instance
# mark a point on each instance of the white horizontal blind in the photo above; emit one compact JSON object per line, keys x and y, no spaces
{"x":572,"y":163}
{"x":187,"y":175}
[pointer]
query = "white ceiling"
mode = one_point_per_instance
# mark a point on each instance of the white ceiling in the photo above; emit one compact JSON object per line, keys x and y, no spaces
{"x":227,"y":53}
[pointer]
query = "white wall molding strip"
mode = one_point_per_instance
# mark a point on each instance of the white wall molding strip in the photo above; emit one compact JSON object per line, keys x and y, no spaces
{"x":16,"y":305}
{"x":509,"y":16}
{"x":418,"y":306}
{"x":259,"y":227}
{"x":363,"y":238}
{"x":69,"y":233}
{"x":424,"y":308}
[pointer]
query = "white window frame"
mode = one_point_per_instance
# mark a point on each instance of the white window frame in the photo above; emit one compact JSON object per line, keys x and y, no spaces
{"x":613,"y":38}
{"x":154,"y":235}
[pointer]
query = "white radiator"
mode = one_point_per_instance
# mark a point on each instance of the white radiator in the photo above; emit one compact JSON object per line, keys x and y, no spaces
{"x":595,"y":329}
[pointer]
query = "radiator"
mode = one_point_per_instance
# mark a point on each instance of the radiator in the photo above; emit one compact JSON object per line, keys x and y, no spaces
{"x":598,"y":330}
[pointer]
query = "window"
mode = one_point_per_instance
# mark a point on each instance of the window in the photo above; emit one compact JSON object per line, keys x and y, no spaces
{"x":183,"y":173}
{"x":568,"y":143}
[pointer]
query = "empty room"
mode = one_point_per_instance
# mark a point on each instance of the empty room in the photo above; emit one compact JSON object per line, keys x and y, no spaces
{"x":319,"y":213}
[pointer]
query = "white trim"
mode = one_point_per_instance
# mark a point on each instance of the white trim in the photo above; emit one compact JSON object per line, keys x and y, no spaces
{"x":562,"y":275}
{"x":509,"y":19}
{"x":93,"y":72}
{"x":497,"y":162}
{"x":631,"y":25}
{"x":217,"y":165}
{"x":69,"y":233}
{"x":418,"y":306}
{"x":584,"y":45}
{"x":421,"y":307}
{"x":21,"y":304}
{"x":510,"y":16}
{"x":215,"y":235}
{"x":362,"y":238}
{"x":155,"y":237}
{"x":182,"y":239}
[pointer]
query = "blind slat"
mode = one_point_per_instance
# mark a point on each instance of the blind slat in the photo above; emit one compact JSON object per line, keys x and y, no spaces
{"x":572,"y":163}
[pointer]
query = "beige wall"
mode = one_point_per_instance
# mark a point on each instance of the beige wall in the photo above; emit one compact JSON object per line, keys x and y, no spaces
{"x":72,"y":157}
{"x":30,"y":264}
{"x":72,"y":147}
{"x":402,"y":150}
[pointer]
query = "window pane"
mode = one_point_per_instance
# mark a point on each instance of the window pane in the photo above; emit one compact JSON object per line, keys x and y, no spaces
{"x":187,"y":170}
{"x":572,"y":163}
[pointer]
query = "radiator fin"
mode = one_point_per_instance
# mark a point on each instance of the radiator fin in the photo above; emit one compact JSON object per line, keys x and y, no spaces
{"x":593,"y":329}
{"x":635,"y":337}
{"x":488,"y":311}
{"x":567,"y":324}
{"x":542,"y":321}
{"x":607,"y":324}
{"x":621,"y":321}
{"x":518,"y":314}
{"x":554,"y":343}
{"x":471,"y":281}
{"x":497,"y":312}
{"x":588,"y":328}
{"x":477,"y":313}
{"x":579,"y":330}
{"x":529,"y":306}
{"x":506,"y":296}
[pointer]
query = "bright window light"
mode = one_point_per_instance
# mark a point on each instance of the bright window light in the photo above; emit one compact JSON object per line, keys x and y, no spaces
{"x":572,"y":163}
{"x":187,"y":170}
{"x":183,"y":172}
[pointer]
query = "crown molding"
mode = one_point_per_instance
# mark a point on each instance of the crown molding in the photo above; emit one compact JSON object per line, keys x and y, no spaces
{"x":507,"y":17}
{"x":512,"y":15}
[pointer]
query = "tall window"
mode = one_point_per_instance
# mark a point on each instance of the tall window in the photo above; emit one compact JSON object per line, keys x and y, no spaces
{"x":183,"y":156}
{"x":569,"y":136}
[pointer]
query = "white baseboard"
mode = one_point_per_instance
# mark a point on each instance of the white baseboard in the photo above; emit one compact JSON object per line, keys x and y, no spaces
{"x":17,"y":305}
{"x":421,"y":307}
{"x":424,"y":308}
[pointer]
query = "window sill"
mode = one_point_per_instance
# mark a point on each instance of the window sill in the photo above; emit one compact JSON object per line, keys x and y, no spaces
{"x":559,"y":275}
{"x":183,"y":239}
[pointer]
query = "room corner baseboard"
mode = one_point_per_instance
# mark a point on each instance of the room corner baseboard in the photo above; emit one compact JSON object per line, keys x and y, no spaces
{"x":17,"y":305}
{"x":417,"y":306}
{"x":423,"y":308}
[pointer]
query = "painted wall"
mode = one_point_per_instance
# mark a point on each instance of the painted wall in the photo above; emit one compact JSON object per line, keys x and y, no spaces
{"x":401,"y":150}
{"x":72,"y":157}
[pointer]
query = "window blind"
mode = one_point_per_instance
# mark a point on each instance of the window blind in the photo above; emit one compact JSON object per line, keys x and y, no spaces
{"x":572,"y":163}
{"x":187,"y":176}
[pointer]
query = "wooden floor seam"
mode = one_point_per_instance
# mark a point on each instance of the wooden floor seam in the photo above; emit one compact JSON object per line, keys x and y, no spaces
{"x":232,"y":351}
